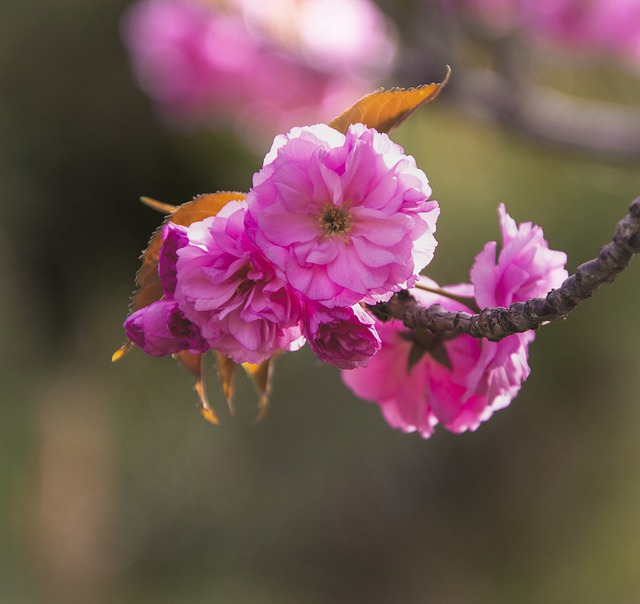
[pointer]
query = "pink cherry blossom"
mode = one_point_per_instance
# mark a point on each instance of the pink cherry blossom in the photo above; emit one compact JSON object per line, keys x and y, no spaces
{"x":174,"y":237}
{"x":420,"y":379}
{"x":400,"y":388}
{"x":525,"y":268}
{"x":342,"y":336}
{"x":266,"y":65}
{"x":344,"y":219}
{"x":161,"y":329}
{"x":227,"y":288}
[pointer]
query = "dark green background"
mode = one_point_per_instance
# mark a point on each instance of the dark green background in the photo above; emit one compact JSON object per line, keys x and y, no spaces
{"x":112,"y":489}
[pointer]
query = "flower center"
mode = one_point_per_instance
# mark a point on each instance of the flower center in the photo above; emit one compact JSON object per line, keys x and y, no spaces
{"x":334,"y":220}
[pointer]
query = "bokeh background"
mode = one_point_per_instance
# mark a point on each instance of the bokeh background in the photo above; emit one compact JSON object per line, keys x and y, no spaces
{"x":113,"y":489}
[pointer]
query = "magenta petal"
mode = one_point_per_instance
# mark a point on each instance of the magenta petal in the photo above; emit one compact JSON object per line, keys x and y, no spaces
{"x":483,"y":276}
{"x":161,"y":329}
{"x":174,"y":237}
{"x":343,"y":223}
{"x":231,"y":291}
{"x":344,"y":337}
{"x":288,"y":228}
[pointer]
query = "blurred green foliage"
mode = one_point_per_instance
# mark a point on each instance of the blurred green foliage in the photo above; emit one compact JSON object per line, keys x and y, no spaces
{"x":112,"y":489}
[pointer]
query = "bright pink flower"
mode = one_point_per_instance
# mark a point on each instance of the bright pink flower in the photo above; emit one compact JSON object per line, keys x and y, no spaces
{"x":266,"y":65}
{"x":227,"y":287}
{"x":400,"y":388}
{"x":420,"y":380}
{"x":342,"y":336}
{"x":161,"y":329}
{"x":344,"y":219}
{"x":526,"y":267}
{"x":174,"y":237}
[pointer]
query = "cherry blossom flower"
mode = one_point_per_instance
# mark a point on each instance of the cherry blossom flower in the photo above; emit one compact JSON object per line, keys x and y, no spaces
{"x":421,"y":380}
{"x":227,"y":288}
{"x":526,"y":267}
{"x":161,"y":328}
{"x":344,"y":219}
{"x":341,"y":336}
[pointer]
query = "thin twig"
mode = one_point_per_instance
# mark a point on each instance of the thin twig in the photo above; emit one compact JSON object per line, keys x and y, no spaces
{"x":498,"y":323}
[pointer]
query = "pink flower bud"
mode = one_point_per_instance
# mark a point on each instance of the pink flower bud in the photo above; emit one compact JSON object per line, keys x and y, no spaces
{"x":342,"y":336}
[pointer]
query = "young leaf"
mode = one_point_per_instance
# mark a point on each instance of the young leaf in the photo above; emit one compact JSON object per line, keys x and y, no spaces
{"x":203,"y":206}
{"x":193,"y":363}
{"x":124,"y":349}
{"x":262,"y":377}
{"x":385,"y":109}
{"x":260,"y":374}
{"x":227,"y":373}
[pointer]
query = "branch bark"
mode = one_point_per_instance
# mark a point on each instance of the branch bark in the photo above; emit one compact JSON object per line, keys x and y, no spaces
{"x":498,"y":323}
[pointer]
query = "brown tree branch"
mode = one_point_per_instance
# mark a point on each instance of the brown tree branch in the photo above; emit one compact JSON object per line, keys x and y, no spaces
{"x":498,"y":323}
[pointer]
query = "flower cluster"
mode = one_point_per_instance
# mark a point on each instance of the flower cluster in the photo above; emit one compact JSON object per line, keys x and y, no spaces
{"x":421,"y":380}
{"x":333,"y":221}
{"x":267,"y":65}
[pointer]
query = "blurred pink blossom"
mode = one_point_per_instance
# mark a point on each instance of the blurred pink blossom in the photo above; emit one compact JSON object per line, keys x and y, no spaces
{"x":267,"y":65}
{"x":600,"y":26}
{"x":420,"y":380}
{"x":611,"y":26}
{"x":344,"y":219}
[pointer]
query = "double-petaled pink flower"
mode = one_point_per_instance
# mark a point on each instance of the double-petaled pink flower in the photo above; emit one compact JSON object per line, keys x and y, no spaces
{"x":343,"y":218}
{"x":420,"y":380}
{"x":226,"y":287}
{"x":345,"y":337}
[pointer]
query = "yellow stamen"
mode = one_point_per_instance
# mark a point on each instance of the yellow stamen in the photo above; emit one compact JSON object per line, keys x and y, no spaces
{"x":335,"y":220}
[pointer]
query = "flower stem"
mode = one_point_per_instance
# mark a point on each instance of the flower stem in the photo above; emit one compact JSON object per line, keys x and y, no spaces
{"x":468,"y":301}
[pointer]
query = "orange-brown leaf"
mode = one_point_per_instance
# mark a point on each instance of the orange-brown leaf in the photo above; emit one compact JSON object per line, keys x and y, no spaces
{"x":227,"y":373}
{"x":199,"y":208}
{"x":261,"y":375}
{"x":118,"y":354}
{"x":158,"y":206}
{"x":193,"y":363}
{"x":385,"y":109}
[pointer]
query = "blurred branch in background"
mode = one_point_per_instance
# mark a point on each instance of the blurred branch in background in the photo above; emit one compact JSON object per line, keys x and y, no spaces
{"x":502,"y":51}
